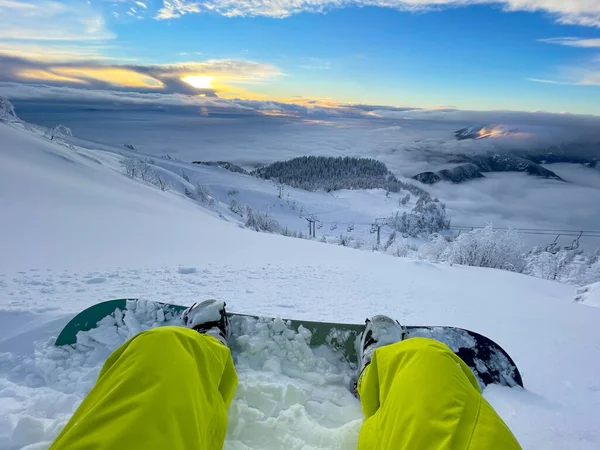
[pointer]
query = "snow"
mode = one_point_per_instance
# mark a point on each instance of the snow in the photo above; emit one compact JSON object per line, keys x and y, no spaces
{"x":75,"y":231}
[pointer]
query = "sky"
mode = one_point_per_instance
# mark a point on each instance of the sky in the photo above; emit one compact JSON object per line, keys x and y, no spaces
{"x":526,"y":55}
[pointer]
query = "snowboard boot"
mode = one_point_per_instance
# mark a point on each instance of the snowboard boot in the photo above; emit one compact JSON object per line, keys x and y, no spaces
{"x":208,"y":317}
{"x":379,"y":331}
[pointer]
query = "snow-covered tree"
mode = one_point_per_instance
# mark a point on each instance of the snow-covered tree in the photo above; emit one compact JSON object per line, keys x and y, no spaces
{"x":390,"y":240}
{"x":234,"y":205}
{"x":428,"y":216}
{"x":145,"y":171}
{"x":7,"y":111}
{"x":129,"y":166}
{"x":567,"y":265}
{"x":160,"y":182}
{"x":142,"y":169}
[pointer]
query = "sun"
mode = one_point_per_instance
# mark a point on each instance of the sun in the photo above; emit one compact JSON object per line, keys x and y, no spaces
{"x":199,"y":81}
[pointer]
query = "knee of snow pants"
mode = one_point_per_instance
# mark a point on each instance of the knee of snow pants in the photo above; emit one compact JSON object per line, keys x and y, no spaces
{"x":165,"y":388}
{"x":417,"y":394}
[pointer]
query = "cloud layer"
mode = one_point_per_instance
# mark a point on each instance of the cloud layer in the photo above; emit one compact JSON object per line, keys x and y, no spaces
{"x":572,"y":12}
{"x":163,"y":78}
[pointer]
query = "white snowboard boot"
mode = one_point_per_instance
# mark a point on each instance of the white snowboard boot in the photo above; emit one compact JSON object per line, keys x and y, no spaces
{"x":208,"y":317}
{"x":379,"y":331}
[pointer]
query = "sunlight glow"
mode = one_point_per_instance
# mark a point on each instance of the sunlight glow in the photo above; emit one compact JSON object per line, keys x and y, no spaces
{"x":199,"y":81}
{"x":113,"y":75}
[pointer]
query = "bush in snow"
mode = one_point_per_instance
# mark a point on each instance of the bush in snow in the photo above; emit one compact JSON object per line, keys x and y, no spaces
{"x":288,"y":232}
{"x":203,"y":193}
{"x":404,"y":200}
{"x":487,"y":248}
{"x":358,"y":244}
{"x":59,"y":132}
{"x":7,"y":111}
{"x":344,"y":240}
{"x":261,"y":221}
{"x":184,"y":175}
{"x":129,"y":167}
{"x":435,"y":249}
{"x":403,"y":249}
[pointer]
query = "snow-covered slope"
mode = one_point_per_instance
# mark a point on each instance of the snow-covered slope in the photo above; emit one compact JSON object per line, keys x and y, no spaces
{"x":75,"y":231}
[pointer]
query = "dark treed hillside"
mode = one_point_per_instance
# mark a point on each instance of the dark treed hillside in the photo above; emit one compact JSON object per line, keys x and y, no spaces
{"x":314,"y":173}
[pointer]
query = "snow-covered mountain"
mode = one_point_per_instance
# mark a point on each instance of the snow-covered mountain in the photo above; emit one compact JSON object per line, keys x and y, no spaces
{"x":75,"y":230}
{"x":465,"y":168}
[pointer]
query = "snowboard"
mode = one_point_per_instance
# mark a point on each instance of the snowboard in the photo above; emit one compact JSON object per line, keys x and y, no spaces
{"x":490,"y":363}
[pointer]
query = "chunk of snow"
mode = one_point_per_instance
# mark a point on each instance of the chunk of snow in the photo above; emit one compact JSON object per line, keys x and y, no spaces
{"x":589,"y":295}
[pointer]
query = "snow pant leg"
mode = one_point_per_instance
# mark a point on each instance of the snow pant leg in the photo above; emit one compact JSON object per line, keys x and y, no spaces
{"x":417,"y":394}
{"x":165,"y":388}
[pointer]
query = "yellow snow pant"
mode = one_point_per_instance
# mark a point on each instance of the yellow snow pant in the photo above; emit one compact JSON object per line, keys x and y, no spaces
{"x":167,"y":388}
{"x":417,"y":394}
{"x":170,"y":387}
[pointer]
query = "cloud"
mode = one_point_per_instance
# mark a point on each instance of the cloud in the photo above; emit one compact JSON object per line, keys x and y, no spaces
{"x":571,"y":12}
{"x":51,"y":21}
{"x":165,"y":78}
{"x":304,"y":107}
{"x":587,"y":75}
{"x":574,"y":42}
{"x":590,"y":78}
{"x":584,"y":74}
{"x":173,"y":9}
{"x":62,"y":94}
{"x":57,"y":52}
{"x":546,"y":81}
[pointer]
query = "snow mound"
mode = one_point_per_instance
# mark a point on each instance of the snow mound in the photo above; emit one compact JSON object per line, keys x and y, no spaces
{"x":589,"y":295}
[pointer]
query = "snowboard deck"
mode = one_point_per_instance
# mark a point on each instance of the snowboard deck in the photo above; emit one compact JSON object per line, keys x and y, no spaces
{"x":490,"y":363}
